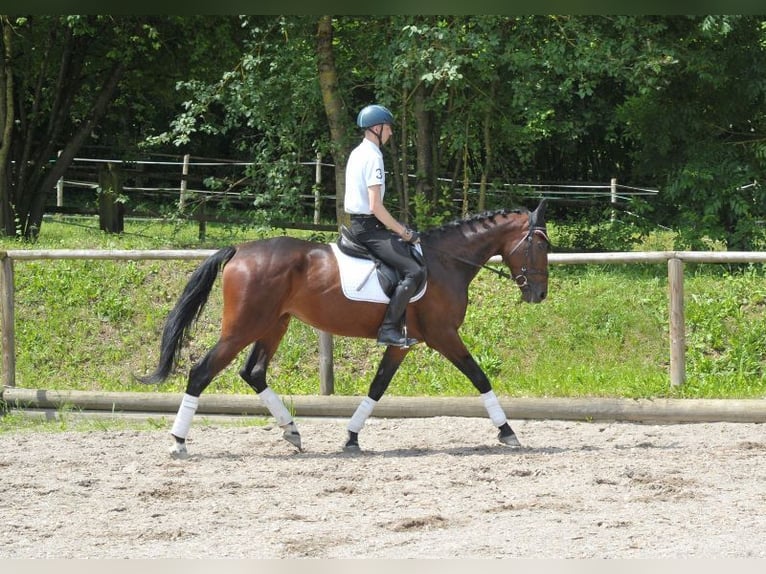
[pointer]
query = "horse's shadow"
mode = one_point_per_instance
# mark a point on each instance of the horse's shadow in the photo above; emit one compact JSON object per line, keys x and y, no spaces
{"x":418,"y":452}
{"x":402,"y":453}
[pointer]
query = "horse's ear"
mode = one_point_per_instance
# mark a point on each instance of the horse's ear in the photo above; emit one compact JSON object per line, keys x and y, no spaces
{"x":538,"y":215}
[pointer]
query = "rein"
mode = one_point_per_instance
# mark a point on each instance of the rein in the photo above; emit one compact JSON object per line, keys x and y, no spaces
{"x":521,"y":279}
{"x":499,"y":272}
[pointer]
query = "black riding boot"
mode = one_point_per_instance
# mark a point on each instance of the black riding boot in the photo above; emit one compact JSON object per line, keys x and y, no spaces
{"x":390,"y":332}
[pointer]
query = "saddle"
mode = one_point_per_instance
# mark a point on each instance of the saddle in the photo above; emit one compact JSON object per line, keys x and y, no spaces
{"x":388,"y":276}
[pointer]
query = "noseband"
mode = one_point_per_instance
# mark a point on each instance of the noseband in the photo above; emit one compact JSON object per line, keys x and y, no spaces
{"x":521,"y":279}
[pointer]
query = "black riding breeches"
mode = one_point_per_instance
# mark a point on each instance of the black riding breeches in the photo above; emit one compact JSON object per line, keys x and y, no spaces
{"x":388,"y":247}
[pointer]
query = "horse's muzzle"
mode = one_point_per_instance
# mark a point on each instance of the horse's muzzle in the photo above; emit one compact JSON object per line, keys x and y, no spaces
{"x":532,"y":294}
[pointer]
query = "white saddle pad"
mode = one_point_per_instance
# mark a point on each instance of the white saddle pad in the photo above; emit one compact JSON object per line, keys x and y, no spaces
{"x":359,"y":278}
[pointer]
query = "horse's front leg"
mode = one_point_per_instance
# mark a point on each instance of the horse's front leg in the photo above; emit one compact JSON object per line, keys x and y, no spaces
{"x":387,"y":368}
{"x":451,"y":346}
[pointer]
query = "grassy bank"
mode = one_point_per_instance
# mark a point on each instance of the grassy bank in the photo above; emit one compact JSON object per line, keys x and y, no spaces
{"x":89,"y":325}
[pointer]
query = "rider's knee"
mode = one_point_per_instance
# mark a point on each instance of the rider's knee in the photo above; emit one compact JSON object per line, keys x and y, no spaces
{"x":414,"y":276}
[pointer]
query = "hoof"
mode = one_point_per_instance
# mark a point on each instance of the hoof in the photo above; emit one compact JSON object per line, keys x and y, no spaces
{"x":293,"y":438}
{"x":178,"y":451}
{"x":508,"y":439}
{"x":292,"y":435}
{"x":352,"y":444}
{"x":352,"y":447}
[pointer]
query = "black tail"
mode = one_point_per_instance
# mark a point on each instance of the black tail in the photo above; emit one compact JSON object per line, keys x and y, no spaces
{"x":183,"y":316}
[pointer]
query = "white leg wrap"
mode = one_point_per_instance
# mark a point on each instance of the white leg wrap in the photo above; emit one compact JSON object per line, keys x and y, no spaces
{"x":495,"y":411}
{"x":276,"y":407}
{"x":363,"y":411}
{"x":185,"y":415}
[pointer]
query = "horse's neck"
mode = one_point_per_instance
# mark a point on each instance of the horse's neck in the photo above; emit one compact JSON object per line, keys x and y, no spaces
{"x":485,"y":243}
{"x":476,"y":245}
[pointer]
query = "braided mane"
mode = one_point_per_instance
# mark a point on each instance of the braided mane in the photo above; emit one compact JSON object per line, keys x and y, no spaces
{"x":472,"y":221}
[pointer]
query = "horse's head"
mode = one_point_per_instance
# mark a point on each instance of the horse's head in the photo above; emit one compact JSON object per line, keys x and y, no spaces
{"x":527,"y":257}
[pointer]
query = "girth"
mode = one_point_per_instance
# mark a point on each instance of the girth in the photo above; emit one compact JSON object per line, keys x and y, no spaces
{"x":388,"y":276}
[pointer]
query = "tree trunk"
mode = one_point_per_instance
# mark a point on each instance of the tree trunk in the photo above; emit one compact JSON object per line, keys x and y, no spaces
{"x":487,"y":150}
{"x":7,"y":119}
{"x":37,"y":138}
{"x":466,"y":181}
{"x":425,"y":170}
{"x":398,"y":164}
{"x":334,"y":109}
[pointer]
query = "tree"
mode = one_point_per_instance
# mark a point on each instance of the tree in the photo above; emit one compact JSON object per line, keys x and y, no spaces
{"x":55,"y":95}
{"x":267,"y":103}
{"x":334,"y":108}
{"x":698,"y":120}
{"x":662,"y":101}
{"x":62,"y":76}
{"x":7,"y":121}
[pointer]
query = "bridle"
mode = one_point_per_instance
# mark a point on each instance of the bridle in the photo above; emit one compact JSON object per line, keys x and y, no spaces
{"x":521,"y":279}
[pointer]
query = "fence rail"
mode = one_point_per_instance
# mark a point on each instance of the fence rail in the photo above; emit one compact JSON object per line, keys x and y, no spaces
{"x":674,"y":259}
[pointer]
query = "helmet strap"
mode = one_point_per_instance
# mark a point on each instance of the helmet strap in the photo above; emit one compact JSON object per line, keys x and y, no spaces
{"x":378,"y":134}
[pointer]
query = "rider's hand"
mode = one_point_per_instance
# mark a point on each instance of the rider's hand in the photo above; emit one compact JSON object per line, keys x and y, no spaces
{"x":411,"y":236}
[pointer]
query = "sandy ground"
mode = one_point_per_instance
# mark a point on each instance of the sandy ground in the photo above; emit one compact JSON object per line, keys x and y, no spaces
{"x":423,"y":488}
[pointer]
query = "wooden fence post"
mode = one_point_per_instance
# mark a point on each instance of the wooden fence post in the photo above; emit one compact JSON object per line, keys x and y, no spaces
{"x":326,"y":374}
{"x":318,"y":189}
{"x":111,"y":209}
{"x":202,"y":221}
{"x":676,"y":318}
{"x":60,"y":189}
{"x":7,"y":320}
{"x":184,"y":173}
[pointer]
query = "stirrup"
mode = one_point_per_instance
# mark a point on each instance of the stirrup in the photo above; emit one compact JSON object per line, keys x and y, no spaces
{"x":394,"y":338}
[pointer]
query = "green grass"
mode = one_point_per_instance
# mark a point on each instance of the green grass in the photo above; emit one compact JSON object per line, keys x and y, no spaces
{"x":603,"y":332}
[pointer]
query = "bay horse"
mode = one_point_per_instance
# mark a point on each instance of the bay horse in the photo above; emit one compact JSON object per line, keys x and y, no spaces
{"x":267,"y":282}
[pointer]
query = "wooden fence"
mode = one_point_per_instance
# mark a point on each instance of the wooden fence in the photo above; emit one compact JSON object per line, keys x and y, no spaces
{"x":674,"y":259}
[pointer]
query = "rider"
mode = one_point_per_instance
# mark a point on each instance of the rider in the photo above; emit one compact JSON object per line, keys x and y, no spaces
{"x":372,"y":223}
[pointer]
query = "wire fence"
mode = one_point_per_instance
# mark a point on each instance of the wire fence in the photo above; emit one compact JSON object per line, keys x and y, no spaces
{"x":162,"y":177}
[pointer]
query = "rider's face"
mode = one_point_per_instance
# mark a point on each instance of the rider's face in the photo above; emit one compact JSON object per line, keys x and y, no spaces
{"x":386,"y":132}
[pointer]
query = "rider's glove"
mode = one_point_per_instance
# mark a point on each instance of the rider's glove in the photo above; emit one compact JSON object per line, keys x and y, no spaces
{"x":411,"y":236}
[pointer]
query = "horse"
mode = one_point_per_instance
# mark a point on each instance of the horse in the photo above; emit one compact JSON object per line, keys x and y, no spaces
{"x":267,"y":282}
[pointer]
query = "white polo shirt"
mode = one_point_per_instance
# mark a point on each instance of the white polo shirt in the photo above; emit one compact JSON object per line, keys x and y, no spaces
{"x":363,"y":169}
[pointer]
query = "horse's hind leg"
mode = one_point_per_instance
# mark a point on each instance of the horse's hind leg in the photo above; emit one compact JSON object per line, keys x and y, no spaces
{"x":392,"y":358}
{"x":254,"y":374}
{"x":200,"y":375}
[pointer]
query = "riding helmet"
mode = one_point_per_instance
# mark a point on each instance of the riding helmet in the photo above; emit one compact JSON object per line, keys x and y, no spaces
{"x":373,"y":115}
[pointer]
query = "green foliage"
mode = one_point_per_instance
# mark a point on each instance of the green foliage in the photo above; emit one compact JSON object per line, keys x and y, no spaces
{"x":672,"y":102}
{"x":703,"y":129}
{"x":253,"y":104}
{"x":428,"y":214}
{"x":99,"y":80}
